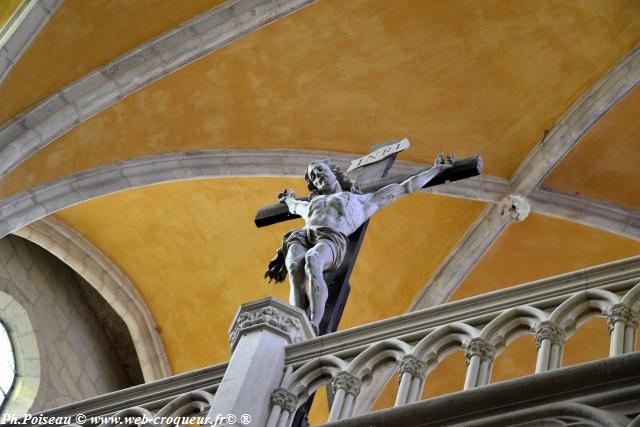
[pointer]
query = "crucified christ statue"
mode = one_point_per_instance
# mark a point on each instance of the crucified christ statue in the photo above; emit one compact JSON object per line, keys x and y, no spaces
{"x":336,"y":208}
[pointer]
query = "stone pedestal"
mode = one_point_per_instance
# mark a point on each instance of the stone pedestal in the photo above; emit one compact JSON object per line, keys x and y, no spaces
{"x":258,"y":336}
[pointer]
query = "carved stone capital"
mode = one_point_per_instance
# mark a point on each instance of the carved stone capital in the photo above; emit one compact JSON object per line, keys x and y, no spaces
{"x":270,"y":314}
{"x":347,"y":382}
{"x":515,"y":207}
{"x":547,"y":330}
{"x":478,"y":347}
{"x":621,"y":313}
{"x":413,"y":366}
{"x":284,"y":399}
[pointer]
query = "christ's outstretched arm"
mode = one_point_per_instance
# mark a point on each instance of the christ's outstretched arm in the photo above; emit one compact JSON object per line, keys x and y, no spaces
{"x":296,"y":207}
{"x":392,"y":192}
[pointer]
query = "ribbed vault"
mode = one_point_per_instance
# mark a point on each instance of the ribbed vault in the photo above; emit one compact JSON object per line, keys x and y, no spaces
{"x":157,"y":145}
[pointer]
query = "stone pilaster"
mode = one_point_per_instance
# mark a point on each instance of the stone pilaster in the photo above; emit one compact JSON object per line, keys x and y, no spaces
{"x":258,"y":336}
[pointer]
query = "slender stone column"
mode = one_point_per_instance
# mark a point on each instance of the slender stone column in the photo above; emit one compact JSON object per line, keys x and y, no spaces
{"x":412,"y":372}
{"x":283,"y":408}
{"x":550,"y":344}
{"x":347,"y":387}
{"x":258,"y":336}
{"x":622,"y":322}
{"x":479,"y":357}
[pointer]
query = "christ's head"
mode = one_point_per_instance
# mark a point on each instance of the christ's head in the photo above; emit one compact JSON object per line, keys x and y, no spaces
{"x":325,"y":177}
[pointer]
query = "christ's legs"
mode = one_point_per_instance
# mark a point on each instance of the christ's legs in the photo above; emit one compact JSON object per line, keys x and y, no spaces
{"x":297,"y":279}
{"x":317,"y":259}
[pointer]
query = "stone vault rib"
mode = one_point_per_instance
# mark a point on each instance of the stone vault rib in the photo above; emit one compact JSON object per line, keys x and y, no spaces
{"x":23,"y":27}
{"x":26,"y":207}
{"x":619,"y":81}
{"x":41,"y":125}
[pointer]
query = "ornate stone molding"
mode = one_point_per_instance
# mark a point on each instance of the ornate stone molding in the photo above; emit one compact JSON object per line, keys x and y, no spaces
{"x":270,"y":313}
{"x":621,"y":313}
{"x":347,"y":382}
{"x":284,"y":399}
{"x":23,"y":27}
{"x":547,"y":330}
{"x":413,"y":366}
{"x":111,"y":283}
{"x":515,"y":207}
{"x":41,"y":125}
{"x":478,"y":347}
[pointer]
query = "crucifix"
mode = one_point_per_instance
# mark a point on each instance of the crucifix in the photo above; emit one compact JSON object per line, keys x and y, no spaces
{"x":319,"y":258}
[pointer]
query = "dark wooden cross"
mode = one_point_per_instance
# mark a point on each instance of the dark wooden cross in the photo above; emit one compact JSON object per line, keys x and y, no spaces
{"x":374,"y":168}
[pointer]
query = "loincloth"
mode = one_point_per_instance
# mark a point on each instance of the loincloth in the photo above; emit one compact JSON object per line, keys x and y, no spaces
{"x":308,"y":237}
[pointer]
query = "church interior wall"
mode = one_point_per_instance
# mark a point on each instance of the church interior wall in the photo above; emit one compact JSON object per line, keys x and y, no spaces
{"x":77,"y":359}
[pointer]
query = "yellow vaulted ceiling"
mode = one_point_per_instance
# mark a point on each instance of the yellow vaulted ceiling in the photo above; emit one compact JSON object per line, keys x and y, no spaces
{"x":7,"y":9}
{"x":195,"y":255}
{"x":82,"y":36}
{"x":542,"y":247}
{"x":604,"y":165}
{"x":466,"y":77}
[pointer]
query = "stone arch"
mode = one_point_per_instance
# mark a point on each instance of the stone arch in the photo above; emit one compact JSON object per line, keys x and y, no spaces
{"x":193,"y":402}
{"x":313,"y":374}
{"x":440,"y":341}
{"x":367,"y":362}
{"x":511,"y":324}
{"x":111,"y":283}
{"x":30,"y":205}
{"x":26,"y":353}
{"x":632,"y":298}
{"x":581,"y":307}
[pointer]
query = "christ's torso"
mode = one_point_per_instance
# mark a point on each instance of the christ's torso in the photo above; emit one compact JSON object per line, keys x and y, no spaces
{"x":341,"y":211}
